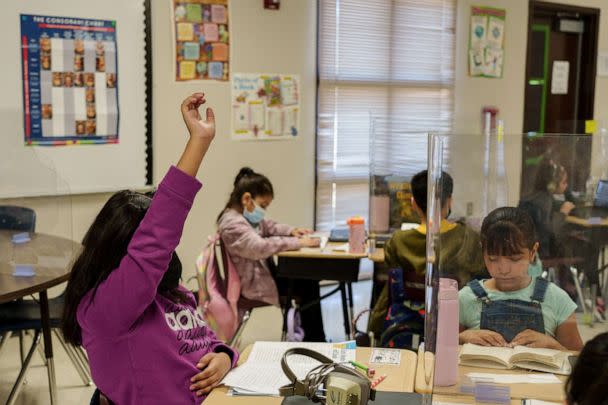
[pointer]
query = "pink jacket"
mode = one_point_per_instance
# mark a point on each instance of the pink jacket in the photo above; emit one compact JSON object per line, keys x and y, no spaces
{"x":249,"y":248}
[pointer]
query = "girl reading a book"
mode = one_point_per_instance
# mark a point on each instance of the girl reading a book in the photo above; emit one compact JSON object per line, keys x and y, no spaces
{"x":512,"y":308}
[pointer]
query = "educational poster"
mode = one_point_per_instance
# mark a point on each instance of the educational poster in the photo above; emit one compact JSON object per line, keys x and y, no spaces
{"x":201,"y":39}
{"x":486,"y":42}
{"x":70,"y":80}
{"x":265,"y":106}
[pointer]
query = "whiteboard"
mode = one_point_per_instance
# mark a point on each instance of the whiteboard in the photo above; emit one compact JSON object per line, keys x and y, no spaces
{"x":74,"y":169}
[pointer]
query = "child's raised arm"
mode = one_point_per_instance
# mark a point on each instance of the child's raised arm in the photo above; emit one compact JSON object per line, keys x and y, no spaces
{"x":124,"y":296}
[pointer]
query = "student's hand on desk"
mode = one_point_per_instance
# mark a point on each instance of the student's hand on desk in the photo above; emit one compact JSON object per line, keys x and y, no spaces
{"x":299,"y":232}
{"x":566,"y":208}
{"x":532,"y":338}
{"x":310,"y":242}
{"x":199,"y":129}
{"x":482,"y":337}
{"x":214,"y":366}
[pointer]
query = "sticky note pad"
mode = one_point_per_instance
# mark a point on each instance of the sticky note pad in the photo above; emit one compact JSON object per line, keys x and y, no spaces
{"x":23,"y":270}
{"x":192,"y":50}
{"x":218,"y":14}
{"x":185,"y":31}
{"x":211,"y":33}
{"x":22,"y":237}
{"x":216,"y":70}
{"x":187,"y":69}
{"x":194,"y":12}
{"x":219,"y":52}
{"x":590,"y":127}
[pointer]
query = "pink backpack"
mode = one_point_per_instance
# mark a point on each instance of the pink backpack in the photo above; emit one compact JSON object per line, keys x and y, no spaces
{"x":217,"y":296}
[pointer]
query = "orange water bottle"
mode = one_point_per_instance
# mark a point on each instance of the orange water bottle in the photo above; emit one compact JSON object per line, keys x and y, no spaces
{"x":356,"y":235}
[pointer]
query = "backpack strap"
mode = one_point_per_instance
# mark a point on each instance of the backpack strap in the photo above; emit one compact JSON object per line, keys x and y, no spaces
{"x":478,"y":290}
{"x":540,"y":289}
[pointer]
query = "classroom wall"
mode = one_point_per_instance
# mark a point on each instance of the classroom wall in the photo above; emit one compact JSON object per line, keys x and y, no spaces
{"x":282,"y":41}
{"x":507,"y":93}
{"x":264,"y":41}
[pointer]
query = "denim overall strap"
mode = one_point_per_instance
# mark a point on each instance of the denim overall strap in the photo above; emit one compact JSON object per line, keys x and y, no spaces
{"x":478,"y":290}
{"x":540,"y":290}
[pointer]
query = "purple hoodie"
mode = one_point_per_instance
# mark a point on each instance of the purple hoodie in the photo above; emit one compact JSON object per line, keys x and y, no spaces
{"x":142,"y":347}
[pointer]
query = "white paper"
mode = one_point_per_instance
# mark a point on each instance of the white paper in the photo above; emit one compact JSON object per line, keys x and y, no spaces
{"x":341,"y":248}
{"x":406,"y":226}
{"x":544,"y":378}
{"x":602,"y":63}
{"x":559,"y":77}
{"x":537,"y":402}
{"x":385,"y":356}
{"x":495,"y":34}
{"x":493,"y":62}
{"x":476,"y":62}
{"x":262,"y":371}
{"x":478,"y":31}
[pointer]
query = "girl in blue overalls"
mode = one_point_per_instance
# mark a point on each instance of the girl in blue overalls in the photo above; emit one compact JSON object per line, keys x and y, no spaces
{"x":512,"y":308}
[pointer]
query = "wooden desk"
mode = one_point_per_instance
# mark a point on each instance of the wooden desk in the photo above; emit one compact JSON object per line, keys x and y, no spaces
{"x":585,"y":222}
{"x":322,"y":264}
{"x":545,"y":392}
{"x":49,"y":256}
{"x":399,"y":379}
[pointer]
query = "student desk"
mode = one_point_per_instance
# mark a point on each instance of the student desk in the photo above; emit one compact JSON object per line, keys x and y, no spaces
{"x":399,"y":379}
{"x":599,"y":239}
{"x":322,"y":264}
{"x":49,"y":256}
{"x":545,"y":392}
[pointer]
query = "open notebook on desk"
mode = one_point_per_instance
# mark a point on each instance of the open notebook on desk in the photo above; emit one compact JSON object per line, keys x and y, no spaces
{"x":547,"y":360}
{"x":261,"y":374}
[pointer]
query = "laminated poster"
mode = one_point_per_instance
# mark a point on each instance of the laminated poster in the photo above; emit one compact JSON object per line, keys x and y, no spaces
{"x":265,"y":106}
{"x":70,"y":80}
{"x":201,"y":39}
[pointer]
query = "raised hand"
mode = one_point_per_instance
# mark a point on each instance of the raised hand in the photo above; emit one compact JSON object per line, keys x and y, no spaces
{"x":198,"y":128}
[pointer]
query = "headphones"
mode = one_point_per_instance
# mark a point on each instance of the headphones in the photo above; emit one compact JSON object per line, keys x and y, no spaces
{"x":343,"y":385}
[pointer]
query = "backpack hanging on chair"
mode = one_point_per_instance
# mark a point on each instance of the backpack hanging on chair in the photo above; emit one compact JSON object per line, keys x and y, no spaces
{"x":218,"y":296}
{"x":404,"y":323}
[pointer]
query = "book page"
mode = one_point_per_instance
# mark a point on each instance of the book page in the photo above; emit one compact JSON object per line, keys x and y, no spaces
{"x":548,"y":357}
{"x":472,"y":354}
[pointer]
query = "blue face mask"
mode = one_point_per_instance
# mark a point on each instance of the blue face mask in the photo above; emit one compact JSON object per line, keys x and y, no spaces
{"x":256,"y":216}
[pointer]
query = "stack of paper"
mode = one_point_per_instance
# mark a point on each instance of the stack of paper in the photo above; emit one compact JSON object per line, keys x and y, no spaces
{"x":262,"y":374}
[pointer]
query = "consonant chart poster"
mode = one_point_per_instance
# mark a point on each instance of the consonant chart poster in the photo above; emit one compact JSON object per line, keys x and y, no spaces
{"x":70,"y":80}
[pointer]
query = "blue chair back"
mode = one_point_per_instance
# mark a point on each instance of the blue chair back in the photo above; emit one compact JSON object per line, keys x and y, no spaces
{"x":17,"y":218}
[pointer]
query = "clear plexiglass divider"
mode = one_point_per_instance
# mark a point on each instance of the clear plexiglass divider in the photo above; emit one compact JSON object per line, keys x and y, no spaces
{"x":558,"y":183}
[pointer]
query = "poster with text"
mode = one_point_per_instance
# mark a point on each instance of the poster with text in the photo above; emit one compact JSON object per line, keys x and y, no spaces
{"x":201,"y":39}
{"x":265,"y":106}
{"x":70,"y":80}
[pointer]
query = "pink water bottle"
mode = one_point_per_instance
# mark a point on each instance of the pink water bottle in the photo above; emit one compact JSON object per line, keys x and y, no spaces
{"x":356,"y":235}
{"x":446,"y":354}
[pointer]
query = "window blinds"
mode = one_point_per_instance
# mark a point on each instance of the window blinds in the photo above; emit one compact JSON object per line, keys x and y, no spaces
{"x":388,"y":62}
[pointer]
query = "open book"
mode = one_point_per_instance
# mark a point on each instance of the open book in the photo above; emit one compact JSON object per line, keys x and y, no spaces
{"x":548,"y":360}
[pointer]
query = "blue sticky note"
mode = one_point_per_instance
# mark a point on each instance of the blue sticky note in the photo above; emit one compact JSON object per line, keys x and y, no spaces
{"x":192,"y":50}
{"x":20,"y":237}
{"x":23,"y":270}
{"x":216,"y":70}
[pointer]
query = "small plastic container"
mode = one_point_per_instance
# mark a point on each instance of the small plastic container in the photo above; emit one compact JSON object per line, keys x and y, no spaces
{"x":356,"y":235}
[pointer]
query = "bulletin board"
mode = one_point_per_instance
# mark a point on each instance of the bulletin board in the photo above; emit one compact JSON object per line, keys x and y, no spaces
{"x":486,"y":42}
{"x":75,"y":101}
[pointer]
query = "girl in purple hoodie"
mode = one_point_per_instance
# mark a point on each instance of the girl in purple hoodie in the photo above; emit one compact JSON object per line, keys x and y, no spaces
{"x":147,"y":342}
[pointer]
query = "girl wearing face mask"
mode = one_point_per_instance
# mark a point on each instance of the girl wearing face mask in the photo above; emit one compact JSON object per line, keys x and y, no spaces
{"x":512,"y":308}
{"x":251,"y":240}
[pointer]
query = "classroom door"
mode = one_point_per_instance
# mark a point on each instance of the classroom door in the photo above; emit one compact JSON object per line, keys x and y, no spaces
{"x":560,"y":88}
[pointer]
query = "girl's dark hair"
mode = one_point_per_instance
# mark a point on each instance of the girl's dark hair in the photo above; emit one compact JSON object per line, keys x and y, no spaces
{"x":507,"y":231}
{"x":248,"y":181}
{"x":587,"y":382}
{"x":103,"y":247}
{"x":548,"y":175}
